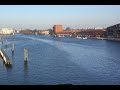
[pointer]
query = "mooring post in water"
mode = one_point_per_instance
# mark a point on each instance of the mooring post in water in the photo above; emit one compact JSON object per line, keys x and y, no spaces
{"x":12,"y":47}
{"x":25,"y":54}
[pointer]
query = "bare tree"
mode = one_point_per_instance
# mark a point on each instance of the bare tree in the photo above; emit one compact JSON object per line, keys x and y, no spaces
{"x":68,"y":28}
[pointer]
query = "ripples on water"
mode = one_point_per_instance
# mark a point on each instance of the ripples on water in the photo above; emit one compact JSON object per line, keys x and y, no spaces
{"x":60,"y":61}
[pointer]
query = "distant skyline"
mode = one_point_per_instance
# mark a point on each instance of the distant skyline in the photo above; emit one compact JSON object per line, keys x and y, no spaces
{"x":45,"y":16}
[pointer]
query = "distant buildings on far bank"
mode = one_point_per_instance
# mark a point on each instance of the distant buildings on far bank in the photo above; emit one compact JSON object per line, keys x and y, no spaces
{"x":113,"y":31}
{"x":109,"y":32}
{"x":91,"y":32}
{"x":7,"y":31}
{"x":36,"y":32}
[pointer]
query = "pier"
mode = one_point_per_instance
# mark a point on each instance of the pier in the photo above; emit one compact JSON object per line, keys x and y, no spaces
{"x":4,"y":57}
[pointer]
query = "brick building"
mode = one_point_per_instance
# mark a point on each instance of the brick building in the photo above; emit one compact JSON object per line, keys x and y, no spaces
{"x":57,"y":29}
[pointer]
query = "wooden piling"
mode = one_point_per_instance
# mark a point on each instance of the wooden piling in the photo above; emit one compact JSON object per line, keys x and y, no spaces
{"x":4,"y":57}
{"x":25,"y":54}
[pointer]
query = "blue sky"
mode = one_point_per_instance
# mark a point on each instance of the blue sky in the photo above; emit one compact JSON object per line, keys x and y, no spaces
{"x":45,"y":16}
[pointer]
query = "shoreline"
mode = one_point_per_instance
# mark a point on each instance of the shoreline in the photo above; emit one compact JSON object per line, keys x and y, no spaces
{"x":102,"y":38}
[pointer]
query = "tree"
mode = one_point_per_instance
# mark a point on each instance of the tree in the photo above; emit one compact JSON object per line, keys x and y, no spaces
{"x":68,"y":28}
{"x":51,"y":31}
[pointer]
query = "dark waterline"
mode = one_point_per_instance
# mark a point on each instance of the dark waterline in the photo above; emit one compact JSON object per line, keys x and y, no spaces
{"x":54,"y":61}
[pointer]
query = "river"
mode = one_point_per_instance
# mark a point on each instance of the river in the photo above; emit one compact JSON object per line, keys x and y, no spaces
{"x":53,"y":61}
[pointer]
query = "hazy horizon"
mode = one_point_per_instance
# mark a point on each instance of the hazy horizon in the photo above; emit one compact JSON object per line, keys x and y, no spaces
{"x":46,"y":16}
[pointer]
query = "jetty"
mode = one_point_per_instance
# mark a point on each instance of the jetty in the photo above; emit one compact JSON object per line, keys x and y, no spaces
{"x":4,"y":57}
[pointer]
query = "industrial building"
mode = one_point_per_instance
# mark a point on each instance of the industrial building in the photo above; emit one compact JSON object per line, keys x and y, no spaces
{"x":57,"y":29}
{"x":113,"y":31}
{"x":93,"y":33}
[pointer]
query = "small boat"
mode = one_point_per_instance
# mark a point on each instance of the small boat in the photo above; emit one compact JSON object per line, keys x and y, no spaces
{"x":54,"y":35}
{"x":36,"y":33}
{"x":79,"y":37}
{"x":60,"y":35}
{"x":84,"y":37}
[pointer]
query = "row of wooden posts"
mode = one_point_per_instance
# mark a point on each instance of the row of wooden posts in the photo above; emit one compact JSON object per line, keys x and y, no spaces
{"x":25,"y":52}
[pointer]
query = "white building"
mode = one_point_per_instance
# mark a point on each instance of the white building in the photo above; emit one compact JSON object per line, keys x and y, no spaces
{"x":45,"y":32}
{"x":99,"y":28}
{"x":6,"y":31}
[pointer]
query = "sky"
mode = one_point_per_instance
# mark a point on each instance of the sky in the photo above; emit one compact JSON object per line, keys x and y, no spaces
{"x":46,"y":16}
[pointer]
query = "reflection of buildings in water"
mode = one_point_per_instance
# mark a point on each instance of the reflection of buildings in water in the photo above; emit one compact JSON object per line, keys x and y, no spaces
{"x":58,"y":44}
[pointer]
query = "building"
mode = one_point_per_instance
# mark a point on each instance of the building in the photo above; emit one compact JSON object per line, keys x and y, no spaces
{"x":17,"y":31}
{"x":57,"y":29}
{"x":113,"y":31}
{"x":26,"y":31}
{"x":93,"y":33}
{"x":45,"y":32}
{"x":7,"y":31}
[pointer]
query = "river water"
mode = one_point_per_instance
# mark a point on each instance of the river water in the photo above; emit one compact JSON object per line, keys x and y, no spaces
{"x":53,"y":61}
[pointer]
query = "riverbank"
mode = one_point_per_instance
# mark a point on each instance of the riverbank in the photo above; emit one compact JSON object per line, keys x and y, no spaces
{"x":102,"y":38}
{"x":98,"y":38}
